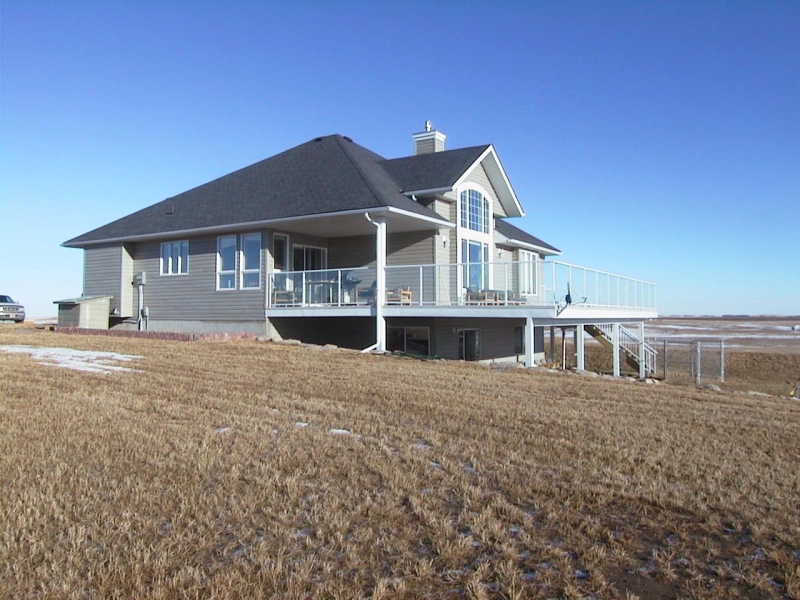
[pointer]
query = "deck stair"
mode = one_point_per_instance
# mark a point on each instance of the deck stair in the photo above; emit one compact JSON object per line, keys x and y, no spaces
{"x":629,"y":343}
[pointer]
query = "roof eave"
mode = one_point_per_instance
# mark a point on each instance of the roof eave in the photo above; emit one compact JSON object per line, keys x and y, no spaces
{"x":251,"y":224}
{"x":499,"y":180}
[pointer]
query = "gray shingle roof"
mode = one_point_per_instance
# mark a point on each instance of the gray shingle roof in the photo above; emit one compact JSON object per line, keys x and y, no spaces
{"x":326,"y":175}
{"x":515,"y":233}
{"x":432,"y":171}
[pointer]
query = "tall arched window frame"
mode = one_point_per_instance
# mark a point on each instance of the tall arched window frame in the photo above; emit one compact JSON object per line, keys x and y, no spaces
{"x":475,"y":211}
{"x":475,"y":237}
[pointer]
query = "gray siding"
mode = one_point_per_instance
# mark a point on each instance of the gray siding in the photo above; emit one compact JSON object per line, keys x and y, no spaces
{"x":127,"y":289}
{"x":496,"y":336}
{"x":506,"y":276}
{"x":408,"y":248}
{"x":102,"y":272}
{"x":480,"y":177}
{"x":193,"y":296}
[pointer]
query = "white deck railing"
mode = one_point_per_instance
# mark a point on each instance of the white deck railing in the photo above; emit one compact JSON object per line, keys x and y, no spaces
{"x":538,"y":283}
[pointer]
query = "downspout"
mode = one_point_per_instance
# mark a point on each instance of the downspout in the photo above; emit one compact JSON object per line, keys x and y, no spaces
{"x":380,"y":280}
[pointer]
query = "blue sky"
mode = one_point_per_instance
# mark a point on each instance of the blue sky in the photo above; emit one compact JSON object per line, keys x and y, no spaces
{"x":655,"y":140}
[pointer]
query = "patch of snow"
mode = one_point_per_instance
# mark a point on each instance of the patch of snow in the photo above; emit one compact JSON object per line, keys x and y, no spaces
{"x":89,"y":361}
{"x":301,"y":424}
{"x":222,"y":430}
{"x":339,"y":432}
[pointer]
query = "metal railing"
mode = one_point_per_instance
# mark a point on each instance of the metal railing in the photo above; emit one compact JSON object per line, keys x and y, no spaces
{"x":535,"y":283}
{"x":629,"y":342}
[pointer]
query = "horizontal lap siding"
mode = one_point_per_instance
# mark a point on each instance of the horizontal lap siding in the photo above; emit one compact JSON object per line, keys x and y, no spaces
{"x":127,"y":289}
{"x":358,"y":251}
{"x":506,"y":276}
{"x":102,"y":272}
{"x":480,"y":177}
{"x":497,"y":336}
{"x":409,"y":248}
{"x":194,"y":296}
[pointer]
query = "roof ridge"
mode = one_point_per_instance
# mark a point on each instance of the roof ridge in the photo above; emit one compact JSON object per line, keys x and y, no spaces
{"x":358,"y":170}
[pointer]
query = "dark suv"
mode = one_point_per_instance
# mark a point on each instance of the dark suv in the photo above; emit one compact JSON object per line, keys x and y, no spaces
{"x":10,"y":310}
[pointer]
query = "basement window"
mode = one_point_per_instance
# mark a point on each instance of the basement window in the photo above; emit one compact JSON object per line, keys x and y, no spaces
{"x":411,"y":340}
{"x":175,"y":258}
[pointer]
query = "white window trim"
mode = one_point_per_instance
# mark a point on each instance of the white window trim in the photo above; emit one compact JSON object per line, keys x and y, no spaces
{"x":220,"y":272}
{"x":241,"y":262}
{"x":239,"y":271}
{"x":181,"y":270}
{"x":528,"y":260}
{"x":488,"y":213}
{"x":465,"y":233}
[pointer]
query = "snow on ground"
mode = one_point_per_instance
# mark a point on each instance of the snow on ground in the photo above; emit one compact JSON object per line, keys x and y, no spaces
{"x":80,"y":360}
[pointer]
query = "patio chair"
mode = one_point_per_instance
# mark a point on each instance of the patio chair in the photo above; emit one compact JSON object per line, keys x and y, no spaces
{"x":400,"y":295}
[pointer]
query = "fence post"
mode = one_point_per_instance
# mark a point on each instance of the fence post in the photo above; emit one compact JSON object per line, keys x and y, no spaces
{"x":722,"y":361}
{"x":666,"y":345}
{"x":697,"y":370}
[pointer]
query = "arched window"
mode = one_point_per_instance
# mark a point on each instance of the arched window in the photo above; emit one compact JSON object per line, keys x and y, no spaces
{"x":474,"y":211}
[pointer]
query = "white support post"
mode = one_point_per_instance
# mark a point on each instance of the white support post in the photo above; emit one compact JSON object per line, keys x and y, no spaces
{"x":615,"y":348}
{"x":528,"y":342}
{"x":580,"y":348}
{"x":380,"y":279}
{"x":642,"y":354}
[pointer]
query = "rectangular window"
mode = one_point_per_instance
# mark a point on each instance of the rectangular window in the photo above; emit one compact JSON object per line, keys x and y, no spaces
{"x":175,"y":258}
{"x":528,"y":272}
{"x":519,"y":339}
{"x":250,"y":263}
{"x":411,"y":340}
{"x":308,"y":258}
{"x":226,"y":262}
{"x":280,"y":244}
{"x":475,"y":256}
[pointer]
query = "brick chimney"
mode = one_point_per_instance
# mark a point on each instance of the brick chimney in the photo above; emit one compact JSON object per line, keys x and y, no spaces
{"x":428,"y":141}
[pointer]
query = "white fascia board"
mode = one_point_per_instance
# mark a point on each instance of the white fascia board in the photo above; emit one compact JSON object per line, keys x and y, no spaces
{"x":428,"y":192}
{"x":508,"y":198}
{"x":529,"y":246}
{"x":440,"y":221}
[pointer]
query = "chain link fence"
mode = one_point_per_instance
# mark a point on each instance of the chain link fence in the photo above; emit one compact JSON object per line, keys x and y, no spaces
{"x":690,"y":361}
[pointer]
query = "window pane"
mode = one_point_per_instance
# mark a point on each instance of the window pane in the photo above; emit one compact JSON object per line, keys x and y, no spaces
{"x":417,"y":340}
{"x":184,"y":257}
{"x":314,"y":259}
{"x":298,"y":256}
{"x":279,"y":253}
{"x":176,"y":254}
{"x":165,"y":259}
{"x":251,"y":248}
{"x":227,"y":281}
{"x":227,"y":253}
{"x":250,"y":280}
{"x":395,"y":341}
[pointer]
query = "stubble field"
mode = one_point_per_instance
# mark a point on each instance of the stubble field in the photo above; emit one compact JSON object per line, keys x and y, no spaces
{"x":236,"y":469}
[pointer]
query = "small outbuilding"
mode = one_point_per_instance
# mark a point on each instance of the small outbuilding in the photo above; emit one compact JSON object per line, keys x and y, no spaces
{"x":88,"y":312}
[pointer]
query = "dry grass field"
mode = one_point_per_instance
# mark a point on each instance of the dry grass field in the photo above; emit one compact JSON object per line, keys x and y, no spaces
{"x":244,"y":470}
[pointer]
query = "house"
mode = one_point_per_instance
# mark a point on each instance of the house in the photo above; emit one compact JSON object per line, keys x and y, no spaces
{"x":329,"y":242}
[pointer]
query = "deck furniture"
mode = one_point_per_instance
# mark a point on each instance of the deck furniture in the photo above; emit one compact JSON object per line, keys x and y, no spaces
{"x":400,"y":295}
